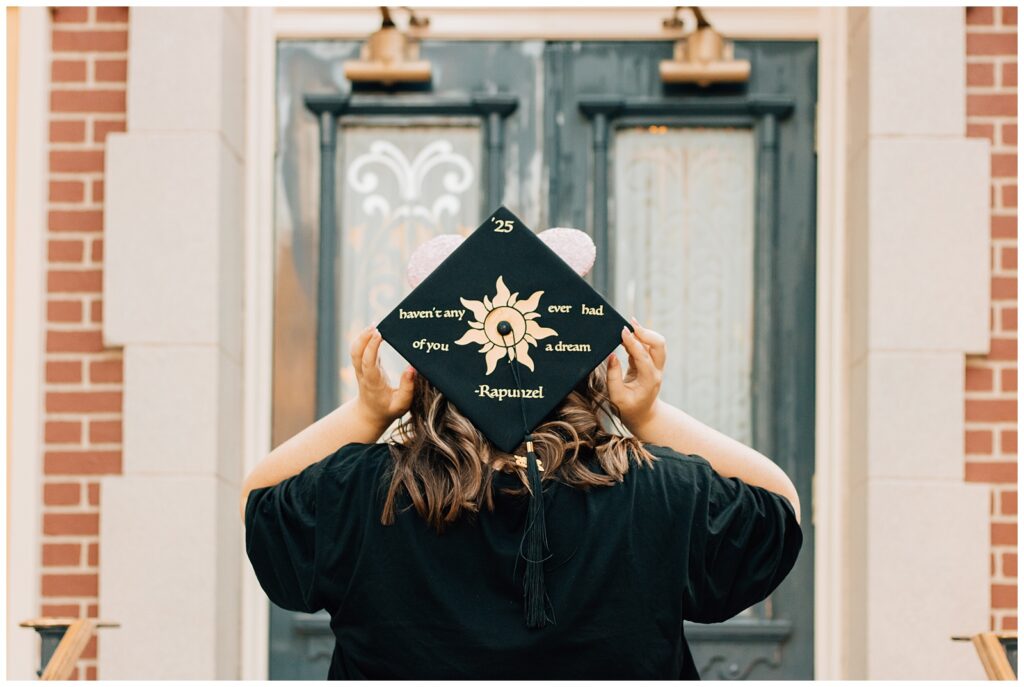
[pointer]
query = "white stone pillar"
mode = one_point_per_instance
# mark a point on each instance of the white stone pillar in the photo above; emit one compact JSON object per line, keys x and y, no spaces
{"x":916,"y":536}
{"x":170,"y":530}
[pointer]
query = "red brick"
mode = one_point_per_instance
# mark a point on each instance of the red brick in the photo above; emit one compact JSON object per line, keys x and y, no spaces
{"x":74,"y":281}
{"x":64,"y":311}
{"x":90,"y":648}
{"x":983,"y":43}
{"x":1008,"y":505}
{"x":1002,"y":349}
{"x":1009,"y":622}
{"x":1004,"y":165}
{"x":980,"y":16}
{"x":1004,"y":227}
{"x":1004,"y":596}
{"x":990,"y":472}
{"x":105,"y":431}
{"x":112,"y":14}
{"x":70,"y":585}
{"x":59,"y":432}
{"x":1008,"y":255}
{"x":1008,"y":318}
{"x":63,"y":372}
{"x":1008,"y":441}
{"x":65,"y":250}
{"x":1003,"y":533}
{"x":980,"y":75}
{"x":1009,"y":75}
{"x":978,"y":442}
{"x":94,"y":494}
{"x":93,"y":610}
{"x":978,"y":379}
{"x":1004,"y":287}
{"x":71,"y":523}
{"x":69,"y":15}
{"x":1009,"y":16}
{"x":64,"y":494}
{"x":106,"y":371}
{"x":96,"y":312}
{"x":111,"y":70}
{"x":76,"y":220}
{"x":1010,"y":564}
{"x":1009,"y":198}
{"x":97,"y":191}
{"x":82,"y":462}
{"x":74,"y":341}
{"x":87,"y":101}
{"x":90,"y":41}
{"x":67,"y":192}
{"x":981,"y":131}
{"x":67,"y":70}
{"x":62,"y":554}
{"x":61,"y":610}
{"x":101,"y":128}
{"x":93,"y":555}
{"x":90,"y":671}
{"x":991,"y":104}
{"x":83,"y":401}
{"x":67,"y":131}
{"x":1009,"y":134}
{"x":986,"y":410}
{"x":76,"y":161}
{"x":1008,"y":379}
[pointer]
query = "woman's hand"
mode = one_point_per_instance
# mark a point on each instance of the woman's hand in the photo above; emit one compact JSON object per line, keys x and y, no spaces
{"x":635,"y":393}
{"x":380,"y":402}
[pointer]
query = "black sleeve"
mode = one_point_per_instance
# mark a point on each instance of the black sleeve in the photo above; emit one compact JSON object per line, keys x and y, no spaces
{"x":743,"y":539}
{"x":280,"y":540}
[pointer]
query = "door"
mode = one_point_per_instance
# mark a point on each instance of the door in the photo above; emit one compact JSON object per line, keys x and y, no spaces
{"x":701,"y":203}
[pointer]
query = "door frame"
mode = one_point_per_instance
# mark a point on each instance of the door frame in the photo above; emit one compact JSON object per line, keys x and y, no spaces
{"x":827,"y":25}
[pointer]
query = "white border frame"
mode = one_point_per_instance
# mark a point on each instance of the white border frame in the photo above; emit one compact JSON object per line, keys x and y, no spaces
{"x":827,"y":25}
{"x":24,"y":467}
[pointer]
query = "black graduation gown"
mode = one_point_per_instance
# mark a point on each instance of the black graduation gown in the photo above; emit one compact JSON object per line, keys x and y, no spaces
{"x":628,"y":564}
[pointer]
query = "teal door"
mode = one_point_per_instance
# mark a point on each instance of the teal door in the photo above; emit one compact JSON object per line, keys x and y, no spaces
{"x":701,"y":202}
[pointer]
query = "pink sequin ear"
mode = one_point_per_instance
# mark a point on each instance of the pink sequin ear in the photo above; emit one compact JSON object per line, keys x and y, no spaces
{"x":429,"y":255}
{"x":575,"y":247}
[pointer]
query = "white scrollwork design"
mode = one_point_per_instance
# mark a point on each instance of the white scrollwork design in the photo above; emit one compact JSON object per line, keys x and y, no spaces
{"x":410,"y":176}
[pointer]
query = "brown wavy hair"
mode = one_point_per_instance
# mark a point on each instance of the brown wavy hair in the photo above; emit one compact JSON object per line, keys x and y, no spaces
{"x":445,"y":465}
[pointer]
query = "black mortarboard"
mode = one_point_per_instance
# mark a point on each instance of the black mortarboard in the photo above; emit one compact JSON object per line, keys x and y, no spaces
{"x":505,"y":329}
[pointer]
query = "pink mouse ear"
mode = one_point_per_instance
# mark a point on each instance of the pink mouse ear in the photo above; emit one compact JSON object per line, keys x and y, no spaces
{"x":429,"y":255}
{"x":575,"y":247}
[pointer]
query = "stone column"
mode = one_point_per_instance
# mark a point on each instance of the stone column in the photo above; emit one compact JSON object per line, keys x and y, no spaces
{"x":916,"y":536}
{"x":173,"y":298}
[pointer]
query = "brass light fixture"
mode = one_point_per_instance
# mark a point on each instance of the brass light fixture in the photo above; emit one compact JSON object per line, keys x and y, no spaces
{"x":390,"y":56}
{"x":703,"y":57}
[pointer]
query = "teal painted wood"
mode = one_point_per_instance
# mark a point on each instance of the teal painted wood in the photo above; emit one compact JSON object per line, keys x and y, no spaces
{"x":549,"y":179}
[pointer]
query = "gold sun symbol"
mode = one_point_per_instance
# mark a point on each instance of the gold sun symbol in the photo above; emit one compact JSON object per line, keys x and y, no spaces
{"x":521,"y":330}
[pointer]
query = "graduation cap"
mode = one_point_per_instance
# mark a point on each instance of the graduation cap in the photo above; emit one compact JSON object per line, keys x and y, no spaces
{"x":504,"y":325}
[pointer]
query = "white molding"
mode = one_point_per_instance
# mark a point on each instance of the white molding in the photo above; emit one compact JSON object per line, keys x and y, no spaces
{"x":24,"y":467}
{"x":550,"y":23}
{"x":831,"y":385}
{"x":257,"y":335}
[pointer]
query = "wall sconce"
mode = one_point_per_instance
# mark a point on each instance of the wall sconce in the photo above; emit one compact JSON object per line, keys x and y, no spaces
{"x":389,"y":56}
{"x":703,"y":57}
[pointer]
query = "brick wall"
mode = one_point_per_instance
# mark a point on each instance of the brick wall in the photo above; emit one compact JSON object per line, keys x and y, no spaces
{"x":82,"y":432}
{"x":991,"y":381}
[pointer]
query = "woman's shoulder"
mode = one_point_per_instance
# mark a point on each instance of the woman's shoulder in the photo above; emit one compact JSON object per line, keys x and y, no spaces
{"x":353,"y":463}
{"x":668,"y":461}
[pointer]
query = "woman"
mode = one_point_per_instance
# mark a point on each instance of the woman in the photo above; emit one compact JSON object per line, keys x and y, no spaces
{"x":412,"y":546}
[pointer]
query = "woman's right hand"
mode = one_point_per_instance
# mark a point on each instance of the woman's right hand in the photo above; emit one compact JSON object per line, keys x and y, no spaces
{"x":635,"y":392}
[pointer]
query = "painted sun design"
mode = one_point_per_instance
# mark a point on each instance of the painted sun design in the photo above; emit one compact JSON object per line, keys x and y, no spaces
{"x":521,"y":316}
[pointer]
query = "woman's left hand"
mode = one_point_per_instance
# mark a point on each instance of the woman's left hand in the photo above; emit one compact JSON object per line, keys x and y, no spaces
{"x":380,"y":401}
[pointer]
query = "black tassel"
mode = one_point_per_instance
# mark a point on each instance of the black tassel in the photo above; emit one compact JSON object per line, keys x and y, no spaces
{"x":535,"y":598}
